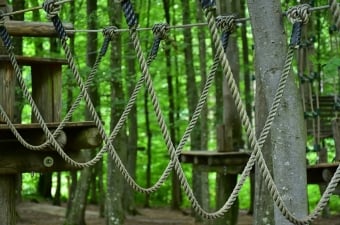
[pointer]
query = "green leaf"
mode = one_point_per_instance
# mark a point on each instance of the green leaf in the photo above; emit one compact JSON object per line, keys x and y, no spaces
{"x":332,"y":66}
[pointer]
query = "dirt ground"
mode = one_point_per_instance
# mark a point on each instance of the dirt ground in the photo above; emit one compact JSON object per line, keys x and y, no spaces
{"x":46,"y":214}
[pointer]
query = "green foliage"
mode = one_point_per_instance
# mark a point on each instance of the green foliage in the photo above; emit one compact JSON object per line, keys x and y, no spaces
{"x":332,"y":66}
{"x":325,"y":56}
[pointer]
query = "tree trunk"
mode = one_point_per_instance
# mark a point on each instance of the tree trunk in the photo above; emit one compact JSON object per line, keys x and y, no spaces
{"x":129,"y":194}
{"x":148,"y":127}
{"x":69,"y":102}
{"x":76,"y":214}
{"x":248,"y":92}
{"x":199,"y":179}
{"x":231,"y":129}
{"x":285,"y":159}
{"x":19,"y":99}
{"x":115,"y":181}
{"x":175,"y":188}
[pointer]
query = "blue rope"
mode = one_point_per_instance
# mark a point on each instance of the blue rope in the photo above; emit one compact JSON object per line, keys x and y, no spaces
{"x":105,"y":46}
{"x":225,"y":40}
{"x":154,"y":48}
{"x":59,"y":27}
{"x":5,"y":37}
{"x":207,"y":4}
{"x":130,"y":15}
{"x":295,"y":38}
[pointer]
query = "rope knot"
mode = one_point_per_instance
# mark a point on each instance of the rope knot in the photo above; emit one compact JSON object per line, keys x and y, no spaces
{"x":299,"y":13}
{"x":226,"y":23}
{"x":110,"y":32}
{"x":161,"y":30}
{"x":51,"y":8}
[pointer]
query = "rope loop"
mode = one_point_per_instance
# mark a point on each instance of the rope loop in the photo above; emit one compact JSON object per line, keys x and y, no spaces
{"x":51,"y":8}
{"x":161,"y":30}
{"x":226,"y":23}
{"x":110,"y":32}
{"x":299,"y":13}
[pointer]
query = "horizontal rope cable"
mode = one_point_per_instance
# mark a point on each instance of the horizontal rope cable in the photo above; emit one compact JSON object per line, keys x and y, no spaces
{"x":33,"y":8}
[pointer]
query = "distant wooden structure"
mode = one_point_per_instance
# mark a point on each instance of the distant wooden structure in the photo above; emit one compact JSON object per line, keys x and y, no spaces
{"x":233,"y":162}
{"x":46,"y":92}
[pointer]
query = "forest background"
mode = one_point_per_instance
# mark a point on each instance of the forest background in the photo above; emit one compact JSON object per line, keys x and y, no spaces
{"x":178,"y":72}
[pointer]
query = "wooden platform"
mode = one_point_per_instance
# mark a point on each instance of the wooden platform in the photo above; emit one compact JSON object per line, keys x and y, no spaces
{"x":16,"y":159}
{"x":327,"y":112}
{"x":234,"y":162}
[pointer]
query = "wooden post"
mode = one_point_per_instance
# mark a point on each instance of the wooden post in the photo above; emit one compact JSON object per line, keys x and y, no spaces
{"x":7,"y":96}
{"x":336,"y":136}
{"x":46,"y":92}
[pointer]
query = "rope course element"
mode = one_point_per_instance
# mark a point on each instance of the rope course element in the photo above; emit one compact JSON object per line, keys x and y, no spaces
{"x":298,"y":16}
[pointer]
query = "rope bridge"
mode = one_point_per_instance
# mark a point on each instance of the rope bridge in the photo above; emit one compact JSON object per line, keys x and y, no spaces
{"x":298,"y":16}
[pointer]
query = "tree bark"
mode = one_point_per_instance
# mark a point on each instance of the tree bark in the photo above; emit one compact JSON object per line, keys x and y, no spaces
{"x":115,"y":180}
{"x":284,"y":150}
{"x":129,"y":194}
{"x":232,"y":136}
{"x":199,"y":179}
{"x":76,"y":214}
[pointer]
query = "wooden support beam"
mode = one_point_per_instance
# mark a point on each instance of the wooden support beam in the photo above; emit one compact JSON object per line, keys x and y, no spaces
{"x":321,"y":173}
{"x":230,"y":162}
{"x":7,"y":100}
{"x":35,"y":29}
{"x":78,"y":135}
{"x":22,"y":160}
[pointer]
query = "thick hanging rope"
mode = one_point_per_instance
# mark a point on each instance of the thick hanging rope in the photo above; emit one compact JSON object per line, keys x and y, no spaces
{"x":298,"y":16}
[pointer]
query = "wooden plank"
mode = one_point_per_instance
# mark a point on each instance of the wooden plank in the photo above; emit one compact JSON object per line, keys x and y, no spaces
{"x":20,"y":161}
{"x":214,"y":158}
{"x":79,"y":135}
{"x":74,"y":126}
{"x":7,"y":89}
{"x":7,"y":182}
{"x":46,"y":91}
{"x":29,"y":61}
{"x":315,"y":172}
{"x":35,"y":29}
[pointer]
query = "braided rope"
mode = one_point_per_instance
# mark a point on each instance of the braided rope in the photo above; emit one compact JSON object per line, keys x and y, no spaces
{"x":335,"y":10}
{"x":256,"y":154}
{"x":227,"y":24}
{"x":257,"y":145}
